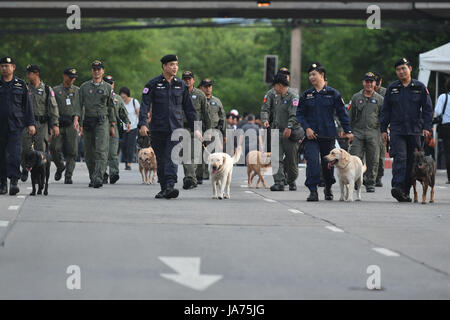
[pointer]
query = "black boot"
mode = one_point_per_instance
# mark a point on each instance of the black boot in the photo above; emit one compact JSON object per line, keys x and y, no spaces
{"x":58,"y":174}
{"x":114,"y":179}
{"x":313,"y":196}
{"x":328,"y":193}
{"x":105,"y":178}
{"x":188,"y":184}
{"x":3,"y":187}
{"x":13,"y":188}
{"x":292,"y":187}
{"x":160,"y":194}
{"x":68,"y":180}
{"x":398,"y":194}
{"x":24,"y":175}
{"x":171,"y":192}
{"x":277,"y":187}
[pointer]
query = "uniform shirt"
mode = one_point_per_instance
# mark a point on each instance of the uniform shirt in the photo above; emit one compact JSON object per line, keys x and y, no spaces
{"x":120,"y":111}
{"x":15,"y":104}
{"x":317,"y":108}
{"x":96,"y":99}
{"x":167,"y":101}
{"x":365,"y":112}
{"x":407,"y":110}
{"x":67,"y":99}
{"x":440,"y":108}
{"x":40,"y":108}
{"x":218,"y":116}
{"x":284,"y":111}
{"x":202,"y":108}
{"x":382,"y":91}
{"x":269,"y":102}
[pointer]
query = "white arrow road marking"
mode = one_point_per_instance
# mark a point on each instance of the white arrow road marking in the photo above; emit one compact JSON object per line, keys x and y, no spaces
{"x":295,"y":211}
{"x":334,"y":229}
{"x":269,"y":200}
{"x":4,"y":223}
{"x":20,"y":197}
{"x":188,"y":272}
{"x":244,"y":186}
{"x":248,"y":191}
{"x":386,"y":252}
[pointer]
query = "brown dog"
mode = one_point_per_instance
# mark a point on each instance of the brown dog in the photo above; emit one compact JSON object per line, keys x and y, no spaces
{"x":424,"y":170}
{"x":147,"y":165}
{"x":257,"y":163}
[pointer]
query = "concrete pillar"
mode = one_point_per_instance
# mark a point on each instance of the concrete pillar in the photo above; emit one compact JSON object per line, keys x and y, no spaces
{"x":296,"y":56}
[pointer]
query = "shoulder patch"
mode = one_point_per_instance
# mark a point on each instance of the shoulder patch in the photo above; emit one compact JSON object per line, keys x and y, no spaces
{"x":265,"y":99}
{"x":295,"y":102}
{"x":146,"y":90}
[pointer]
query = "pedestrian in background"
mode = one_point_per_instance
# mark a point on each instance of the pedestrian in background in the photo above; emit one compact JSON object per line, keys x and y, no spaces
{"x":443,"y":109}
{"x":129,"y":138}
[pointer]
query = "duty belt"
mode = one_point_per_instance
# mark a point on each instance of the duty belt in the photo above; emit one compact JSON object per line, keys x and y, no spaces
{"x":41,"y":119}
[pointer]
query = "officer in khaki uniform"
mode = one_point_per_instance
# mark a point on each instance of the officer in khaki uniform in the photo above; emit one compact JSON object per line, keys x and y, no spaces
{"x":218,"y":121}
{"x":284,"y":118}
{"x":120,"y":113}
{"x":382,"y":91}
{"x":66,"y":95}
{"x":96,"y":101}
{"x":46,"y":115}
{"x":202,"y":108}
{"x":364,"y":116}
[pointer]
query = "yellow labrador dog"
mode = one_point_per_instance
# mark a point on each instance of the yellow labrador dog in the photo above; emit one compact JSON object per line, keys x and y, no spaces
{"x":147,"y":165}
{"x":350,"y":172}
{"x":220,"y":166}
{"x":257,"y":163}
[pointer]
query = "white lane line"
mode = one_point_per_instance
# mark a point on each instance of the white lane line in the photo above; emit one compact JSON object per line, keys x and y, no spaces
{"x":295,"y":211}
{"x":20,"y":197}
{"x":269,"y":200}
{"x":334,"y":229}
{"x":29,"y":188}
{"x":13,"y":207}
{"x":439,"y":187}
{"x":244,"y":186}
{"x":248,"y":191}
{"x":4,"y":223}
{"x":386,"y":252}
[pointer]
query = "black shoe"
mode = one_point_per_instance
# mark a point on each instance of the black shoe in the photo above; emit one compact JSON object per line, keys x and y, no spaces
{"x":171,"y":192}
{"x":277,"y":187}
{"x":13,"y":188}
{"x":160,"y":194}
{"x":199,"y":181}
{"x":97,"y":185}
{"x":379,"y":183}
{"x":398,"y":194}
{"x":105,"y":178}
{"x":91,"y":184}
{"x":114,"y":179}
{"x":58,"y":174}
{"x":370,"y":189}
{"x":68,"y":180}
{"x":313,"y":196}
{"x":292,"y":187}
{"x":188,"y":184}
{"x":4,"y":187}
{"x":328,"y":193}
{"x":24,"y":175}
{"x":127,"y":167}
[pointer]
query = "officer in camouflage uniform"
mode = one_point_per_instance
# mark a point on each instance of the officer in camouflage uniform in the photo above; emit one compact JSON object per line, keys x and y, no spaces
{"x":66,"y":95}
{"x":218,"y":121}
{"x":382,"y":91}
{"x":204,"y":115}
{"x":121,"y":114}
{"x":284,"y":118}
{"x":97,"y":103}
{"x":45,"y":113}
{"x":364,"y":116}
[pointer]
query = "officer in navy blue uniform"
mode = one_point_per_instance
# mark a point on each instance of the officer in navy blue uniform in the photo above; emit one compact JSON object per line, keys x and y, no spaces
{"x":315,"y":113}
{"x":167,"y":97}
{"x":16,"y":113}
{"x":408,"y":111}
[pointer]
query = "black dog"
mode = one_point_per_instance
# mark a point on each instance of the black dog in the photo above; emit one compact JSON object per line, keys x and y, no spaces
{"x":424,"y":170}
{"x":38,"y":163}
{"x":143,"y":142}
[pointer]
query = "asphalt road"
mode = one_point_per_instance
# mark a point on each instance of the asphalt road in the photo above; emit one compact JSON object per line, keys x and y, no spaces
{"x":257,"y":245}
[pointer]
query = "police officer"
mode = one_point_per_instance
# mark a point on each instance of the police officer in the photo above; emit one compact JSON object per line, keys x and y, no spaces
{"x":67,"y":98}
{"x":97,"y":106}
{"x":218,"y":121}
{"x":45,"y":113}
{"x":316,"y":115}
{"x":284,"y":119}
{"x":365,"y":108}
{"x":121,"y":115}
{"x":16,"y":113}
{"x":204,"y":115}
{"x":168,"y":97}
{"x":382,"y":91}
{"x":407,"y":109}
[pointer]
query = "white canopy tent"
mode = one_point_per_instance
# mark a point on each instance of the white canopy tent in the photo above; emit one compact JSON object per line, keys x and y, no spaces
{"x":437,"y":60}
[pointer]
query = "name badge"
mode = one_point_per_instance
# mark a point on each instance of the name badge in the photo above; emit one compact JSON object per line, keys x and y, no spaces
{"x":68,"y":102}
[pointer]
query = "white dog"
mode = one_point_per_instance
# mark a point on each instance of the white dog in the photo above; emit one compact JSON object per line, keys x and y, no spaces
{"x":350,"y":171}
{"x":220,"y":166}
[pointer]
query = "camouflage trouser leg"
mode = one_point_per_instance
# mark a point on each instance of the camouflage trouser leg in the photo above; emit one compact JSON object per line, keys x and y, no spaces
{"x":68,"y":138}
{"x":56,"y":150}
{"x":368,"y":147}
{"x":113,"y":157}
{"x":39,"y":139}
{"x":380,"y":172}
{"x":191,"y":169}
{"x":288,"y":161}
{"x":96,"y":145}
